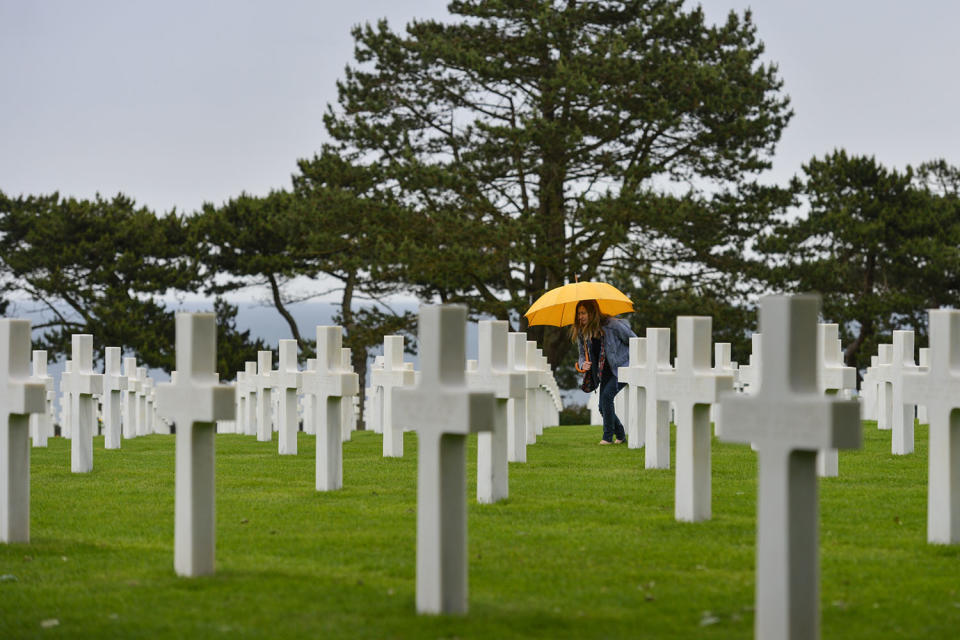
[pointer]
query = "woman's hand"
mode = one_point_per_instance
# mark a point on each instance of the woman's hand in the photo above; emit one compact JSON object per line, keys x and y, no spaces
{"x":586,"y":366}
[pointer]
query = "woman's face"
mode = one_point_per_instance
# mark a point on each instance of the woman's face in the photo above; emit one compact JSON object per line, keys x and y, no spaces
{"x":582,"y":316}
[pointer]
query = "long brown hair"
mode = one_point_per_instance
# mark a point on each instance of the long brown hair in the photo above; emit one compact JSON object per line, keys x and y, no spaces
{"x":594,"y":319}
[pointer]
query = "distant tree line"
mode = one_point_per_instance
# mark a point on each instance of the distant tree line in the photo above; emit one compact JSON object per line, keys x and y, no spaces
{"x":489,"y":158}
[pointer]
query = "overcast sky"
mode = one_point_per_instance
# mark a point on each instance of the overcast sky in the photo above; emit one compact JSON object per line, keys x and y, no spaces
{"x":184,"y":101}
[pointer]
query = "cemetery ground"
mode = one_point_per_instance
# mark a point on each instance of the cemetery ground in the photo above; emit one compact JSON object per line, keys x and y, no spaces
{"x":586,"y":546}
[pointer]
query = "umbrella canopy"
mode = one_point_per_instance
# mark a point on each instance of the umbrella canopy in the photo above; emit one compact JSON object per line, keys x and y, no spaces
{"x":558,"y":306}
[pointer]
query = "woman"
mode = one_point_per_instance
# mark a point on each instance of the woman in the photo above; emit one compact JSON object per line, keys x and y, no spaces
{"x":604,"y":346}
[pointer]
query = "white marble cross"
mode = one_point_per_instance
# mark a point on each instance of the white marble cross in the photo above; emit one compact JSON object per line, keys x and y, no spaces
{"x":194,"y":403}
{"x":517,"y":407}
{"x":722,"y":364}
{"x":114,"y":384}
{"x":143,"y":390}
{"x":242,"y":398}
{"x":65,"y":398}
{"x":373,"y":400}
{"x":493,"y":374}
{"x":286,"y":382}
{"x":129,"y":412}
{"x":306,"y":400}
{"x":868,"y":391}
{"x":443,"y":411}
{"x":84,"y":384}
{"x":348,"y":418}
{"x":900,"y":412}
{"x":249,"y":390}
{"x":264,"y":400}
{"x":923,"y":361}
{"x":884,"y":389}
{"x":654,"y":410}
{"x":751,"y":373}
{"x":534,"y":424}
{"x":543,"y":397}
{"x":633,"y":375}
{"x":149,"y":398}
{"x":18,"y":399}
{"x":649,"y":418}
{"x":41,"y":423}
{"x":553,"y":401}
{"x":788,"y":420}
{"x":692,"y":386}
{"x":326,"y":386}
{"x":394,"y":375}
{"x":832,"y":378}
{"x":938,"y":389}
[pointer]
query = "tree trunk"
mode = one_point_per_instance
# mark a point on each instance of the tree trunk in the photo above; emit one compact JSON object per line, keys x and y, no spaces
{"x":358,"y":357}
{"x":278,"y":303}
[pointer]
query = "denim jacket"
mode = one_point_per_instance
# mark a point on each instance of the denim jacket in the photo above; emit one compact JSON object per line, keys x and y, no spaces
{"x":616,"y":344}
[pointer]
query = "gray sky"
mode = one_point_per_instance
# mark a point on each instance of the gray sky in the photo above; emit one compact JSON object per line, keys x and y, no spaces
{"x":179,"y":102}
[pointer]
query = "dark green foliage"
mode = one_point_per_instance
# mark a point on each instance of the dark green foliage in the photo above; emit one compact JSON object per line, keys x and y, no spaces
{"x":98,"y":267}
{"x":234,"y":347}
{"x":881,"y":246}
{"x":539,"y":140}
{"x":489,"y":157}
{"x":256,"y":241}
{"x":334,"y":227}
{"x":575,"y":414}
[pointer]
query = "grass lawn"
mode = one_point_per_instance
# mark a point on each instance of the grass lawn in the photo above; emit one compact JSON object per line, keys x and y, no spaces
{"x":585,"y":547}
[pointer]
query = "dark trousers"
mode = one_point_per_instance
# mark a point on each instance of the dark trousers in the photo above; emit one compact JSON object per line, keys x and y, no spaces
{"x":612,"y":427}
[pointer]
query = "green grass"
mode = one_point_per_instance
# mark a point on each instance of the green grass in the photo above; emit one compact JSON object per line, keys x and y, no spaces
{"x":585,"y":547}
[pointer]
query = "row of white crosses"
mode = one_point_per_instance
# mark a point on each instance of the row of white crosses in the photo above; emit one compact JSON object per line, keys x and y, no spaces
{"x":127,"y":396}
{"x":491,"y":372}
{"x":136,"y":411}
{"x":441,"y":408}
{"x":691,"y":386}
{"x":648,"y":424}
{"x":541,"y":401}
{"x":883,"y":390}
{"x":527,"y":416}
{"x":264,"y":393}
{"x":195,"y":402}
{"x":788,"y":418}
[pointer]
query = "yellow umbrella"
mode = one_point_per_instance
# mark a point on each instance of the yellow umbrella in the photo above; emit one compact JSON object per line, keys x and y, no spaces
{"x":558,"y":306}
